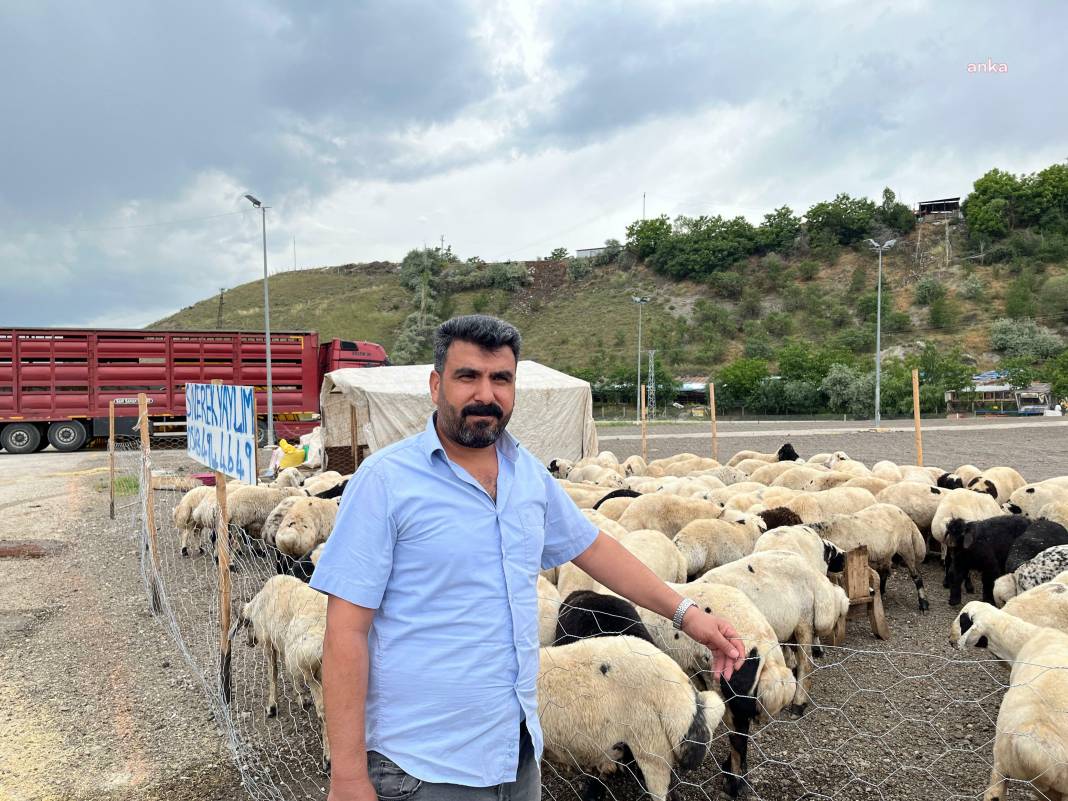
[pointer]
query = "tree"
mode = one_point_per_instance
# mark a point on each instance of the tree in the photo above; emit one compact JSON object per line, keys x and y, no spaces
{"x":844,"y":220}
{"x":739,"y":382}
{"x":992,"y":208}
{"x":558,"y":254}
{"x":779,"y":230}
{"x":896,"y":216}
{"x":645,"y":236}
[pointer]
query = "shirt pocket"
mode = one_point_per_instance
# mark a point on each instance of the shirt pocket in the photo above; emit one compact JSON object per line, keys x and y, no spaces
{"x":532,"y":520}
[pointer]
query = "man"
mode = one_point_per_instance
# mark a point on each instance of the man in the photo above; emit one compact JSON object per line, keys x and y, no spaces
{"x":430,"y":659}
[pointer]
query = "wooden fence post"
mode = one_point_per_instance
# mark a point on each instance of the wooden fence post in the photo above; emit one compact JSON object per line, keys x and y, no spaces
{"x":354,"y":437}
{"x":645,"y":444}
{"x":222,"y":549}
{"x":712,"y":414}
{"x":150,"y":501}
{"x":916,"y":416}
{"x":111,"y":457}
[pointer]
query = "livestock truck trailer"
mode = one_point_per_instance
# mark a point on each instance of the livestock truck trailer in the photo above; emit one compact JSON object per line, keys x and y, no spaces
{"x":56,"y":383}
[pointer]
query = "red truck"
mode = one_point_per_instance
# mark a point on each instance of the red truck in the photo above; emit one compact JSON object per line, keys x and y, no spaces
{"x":55,"y":383}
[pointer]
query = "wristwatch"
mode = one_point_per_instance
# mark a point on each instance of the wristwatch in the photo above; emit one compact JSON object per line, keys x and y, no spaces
{"x":680,"y":611}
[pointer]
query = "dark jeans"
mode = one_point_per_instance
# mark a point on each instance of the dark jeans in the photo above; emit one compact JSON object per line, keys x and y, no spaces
{"x":393,"y":784}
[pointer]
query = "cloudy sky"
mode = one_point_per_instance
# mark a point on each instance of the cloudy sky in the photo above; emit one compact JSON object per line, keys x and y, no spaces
{"x":131,"y":131}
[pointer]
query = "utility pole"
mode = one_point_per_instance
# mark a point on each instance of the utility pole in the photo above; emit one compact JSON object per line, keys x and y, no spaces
{"x":641,"y":301}
{"x":947,"y":242}
{"x":218,"y":317}
{"x":643,"y":206}
{"x":651,"y":381}
{"x":879,"y":323}
{"x":266,"y":324}
{"x":443,"y":243}
{"x":294,"y":254}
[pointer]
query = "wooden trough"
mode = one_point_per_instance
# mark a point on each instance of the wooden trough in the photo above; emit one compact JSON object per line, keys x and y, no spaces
{"x":861,"y":584}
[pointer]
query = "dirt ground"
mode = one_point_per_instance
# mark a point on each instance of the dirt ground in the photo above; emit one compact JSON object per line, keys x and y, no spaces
{"x":96,"y":702}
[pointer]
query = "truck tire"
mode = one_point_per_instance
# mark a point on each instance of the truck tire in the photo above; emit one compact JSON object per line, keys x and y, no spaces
{"x":261,"y":434}
{"x":67,"y":435}
{"x":20,"y":437}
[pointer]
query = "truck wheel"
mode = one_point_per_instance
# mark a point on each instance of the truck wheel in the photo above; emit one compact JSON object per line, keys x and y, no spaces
{"x":20,"y":437}
{"x":261,"y":434}
{"x":69,"y":435}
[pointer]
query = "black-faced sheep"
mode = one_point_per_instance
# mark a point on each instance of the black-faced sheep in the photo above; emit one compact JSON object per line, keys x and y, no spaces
{"x":821,"y":554}
{"x":997,"y":482}
{"x":586,"y":614}
{"x":779,"y":516}
{"x":321,"y":482}
{"x":962,"y":504}
{"x":306,"y":523}
{"x":1035,"y":571}
{"x":1031,"y":740}
{"x":596,"y":696}
{"x":981,"y":545}
{"x":1029,"y":499}
{"x":1039,"y":535}
{"x":918,"y":501}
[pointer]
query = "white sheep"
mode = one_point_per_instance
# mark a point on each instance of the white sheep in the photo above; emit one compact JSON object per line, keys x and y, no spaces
{"x":872,"y":484}
{"x":596,"y":695}
{"x":290,"y":477}
{"x":1031,"y":739}
{"x":820,"y":554}
{"x":321,"y":482}
{"x":634,"y":466}
{"x":918,"y":501}
{"x":189,"y":529}
{"x":728,"y":475}
{"x":247,"y":507}
{"x":1044,"y":605}
{"x":1029,"y":499}
{"x":886,"y":532}
{"x":961,"y":504}
{"x":666,"y":513}
{"x":770,"y":471}
{"x":921,"y":475}
{"x":966,"y":472}
{"x":812,"y":507}
{"x":685,"y":467}
{"x":827,"y":480}
{"x":797,"y":477}
{"x":270,"y":526}
{"x":886,"y":470}
{"x":1056,"y":512}
{"x":307,"y":523}
{"x":708,"y":543}
{"x":652,"y":548}
{"x":597,"y":475}
{"x":548,"y":610}
{"x":798,"y":601}
{"x":605,"y":524}
{"x":614,"y":508}
{"x":997,"y":482}
{"x":288,"y":619}
{"x":560,"y":468}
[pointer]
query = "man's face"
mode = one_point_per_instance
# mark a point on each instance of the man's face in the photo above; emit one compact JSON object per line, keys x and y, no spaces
{"x":475,"y":393}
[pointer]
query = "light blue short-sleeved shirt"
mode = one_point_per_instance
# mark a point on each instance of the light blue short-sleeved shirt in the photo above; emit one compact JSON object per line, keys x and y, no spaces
{"x":453,"y":649}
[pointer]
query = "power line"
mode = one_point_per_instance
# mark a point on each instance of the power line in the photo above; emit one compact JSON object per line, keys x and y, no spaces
{"x":157,"y":224}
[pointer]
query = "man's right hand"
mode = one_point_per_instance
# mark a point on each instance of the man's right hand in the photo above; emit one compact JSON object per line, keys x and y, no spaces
{"x":355,"y":789}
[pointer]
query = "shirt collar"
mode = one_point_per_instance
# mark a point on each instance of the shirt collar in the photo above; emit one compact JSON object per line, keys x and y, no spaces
{"x":507,"y":445}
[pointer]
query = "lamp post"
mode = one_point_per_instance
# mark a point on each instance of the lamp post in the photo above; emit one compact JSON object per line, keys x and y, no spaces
{"x":879,"y":321}
{"x":266,"y":322}
{"x":641,"y":301}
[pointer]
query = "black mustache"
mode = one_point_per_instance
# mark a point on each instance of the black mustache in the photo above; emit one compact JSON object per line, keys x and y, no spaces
{"x":483,"y":410}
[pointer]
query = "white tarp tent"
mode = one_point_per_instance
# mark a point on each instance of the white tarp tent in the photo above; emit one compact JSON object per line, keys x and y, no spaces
{"x":553,"y":415}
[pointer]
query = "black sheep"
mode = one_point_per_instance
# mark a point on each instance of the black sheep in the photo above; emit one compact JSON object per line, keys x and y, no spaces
{"x":787,"y":453}
{"x":585,"y":613}
{"x":981,"y":545}
{"x":1041,"y":534}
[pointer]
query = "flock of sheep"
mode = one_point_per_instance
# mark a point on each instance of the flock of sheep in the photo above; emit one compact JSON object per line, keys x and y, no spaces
{"x":760,"y":541}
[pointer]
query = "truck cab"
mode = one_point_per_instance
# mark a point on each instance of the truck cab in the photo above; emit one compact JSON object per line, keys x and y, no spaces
{"x":338,"y":354}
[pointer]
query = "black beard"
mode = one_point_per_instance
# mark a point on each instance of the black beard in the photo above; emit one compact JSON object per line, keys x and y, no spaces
{"x":473,"y":435}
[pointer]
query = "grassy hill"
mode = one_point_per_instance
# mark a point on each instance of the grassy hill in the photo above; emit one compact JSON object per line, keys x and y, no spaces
{"x":584,"y":318}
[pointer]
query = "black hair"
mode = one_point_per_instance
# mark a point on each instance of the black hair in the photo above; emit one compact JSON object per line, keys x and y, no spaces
{"x":487,"y":332}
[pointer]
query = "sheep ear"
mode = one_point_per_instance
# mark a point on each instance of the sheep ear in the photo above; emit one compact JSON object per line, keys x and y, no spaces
{"x":970,"y":633}
{"x":969,"y":536}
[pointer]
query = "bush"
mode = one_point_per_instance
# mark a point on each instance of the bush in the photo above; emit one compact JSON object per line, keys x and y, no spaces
{"x":749,"y":307}
{"x":577,"y":269}
{"x":1020,"y":298}
{"x":1053,"y":298}
{"x":758,"y":346}
{"x":858,"y":280}
{"x":713,"y":319}
{"x":971,"y":288}
{"x":480,"y":303}
{"x":1024,"y":338}
{"x":727,"y":284}
{"x":808,"y":269}
{"x":944,"y":314}
{"x":928,"y":290}
{"x":779,"y":324}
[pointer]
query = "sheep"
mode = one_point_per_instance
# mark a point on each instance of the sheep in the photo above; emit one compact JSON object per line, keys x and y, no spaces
{"x":548,"y":611}
{"x":307,"y":523}
{"x":981,"y":545}
{"x":322,"y":482}
{"x":613,"y":508}
{"x":584,"y":496}
{"x":820,"y":554}
{"x":290,"y":477}
{"x":785,"y":454}
{"x":707,"y":543}
{"x":1031,"y":739}
{"x":771,"y":471}
{"x":886,"y":532}
{"x":605,"y":524}
{"x":248,"y":508}
{"x":966,"y":472}
{"x":963,"y":504}
{"x":997,"y":482}
{"x":1044,"y":605}
{"x":815,"y":506}
{"x":634,"y":466}
{"x":189,"y":530}
{"x":759,"y":690}
{"x":596,"y":696}
{"x":921,"y":475}
{"x":886,"y":470}
{"x":826,"y":481}
{"x":333,"y":492}
{"x":797,"y":477}
{"x":269,"y":530}
{"x":778,"y":516}
{"x":666,"y":513}
{"x":1035,"y":571}
{"x":850,"y":466}
{"x":726,"y":493}
{"x":587,"y":614}
{"x":560,"y":468}
{"x":1039,"y":535}
{"x":918,"y":501}
{"x":664,"y":461}
{"x":289,"y":619}
{"x":597,"y":475}
{"x":798,"y":601}
{"x":872,"y":484}
{"x":651,"y":547}
{"x":743,"y":502}
{"x":1056,"y":512}
{"x":304,"y":567}
{"x":685,"y":467}
{"x":750,"y":466}
{"x":1030,"y":498}
{"x":950,"y":481}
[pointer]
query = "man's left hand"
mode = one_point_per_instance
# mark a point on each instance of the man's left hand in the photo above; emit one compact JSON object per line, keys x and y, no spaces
{"x":719,"y":636}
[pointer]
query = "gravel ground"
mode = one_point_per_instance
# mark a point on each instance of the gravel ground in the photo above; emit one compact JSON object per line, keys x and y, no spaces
{"x":96,"y":702}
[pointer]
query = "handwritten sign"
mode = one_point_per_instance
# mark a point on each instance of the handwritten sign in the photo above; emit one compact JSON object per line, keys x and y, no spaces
{"x":221,"y":428}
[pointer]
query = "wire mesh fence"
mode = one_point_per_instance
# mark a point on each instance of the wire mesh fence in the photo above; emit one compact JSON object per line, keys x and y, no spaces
{"x":908,"y":719}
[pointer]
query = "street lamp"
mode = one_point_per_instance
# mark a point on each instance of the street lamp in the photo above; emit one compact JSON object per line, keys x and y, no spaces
{"x":641,"y":301}
{"x":266,"y":322}
{"x":879,"y":320}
